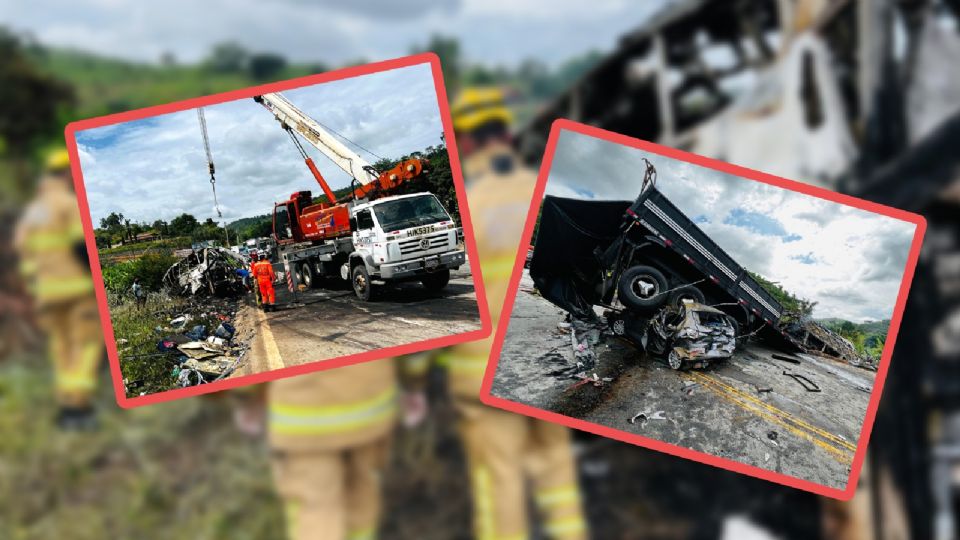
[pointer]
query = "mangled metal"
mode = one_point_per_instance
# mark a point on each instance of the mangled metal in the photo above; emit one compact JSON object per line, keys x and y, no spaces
{"x":812,"y":337}
{"x":692,"y":334}
{"x":209,"y":271}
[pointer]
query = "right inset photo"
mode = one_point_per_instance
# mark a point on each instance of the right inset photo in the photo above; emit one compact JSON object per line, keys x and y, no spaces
{"x":705,"y":310}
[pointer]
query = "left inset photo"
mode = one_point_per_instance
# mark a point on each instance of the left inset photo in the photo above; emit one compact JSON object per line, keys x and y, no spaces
{"x":277,"y":230}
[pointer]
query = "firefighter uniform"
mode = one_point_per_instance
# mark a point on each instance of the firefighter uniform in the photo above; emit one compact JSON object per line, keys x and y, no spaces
{"x":506,"y":452}
{"x":330,"y":435}
{"x":263,"y":272}
{"x":49,"y":239}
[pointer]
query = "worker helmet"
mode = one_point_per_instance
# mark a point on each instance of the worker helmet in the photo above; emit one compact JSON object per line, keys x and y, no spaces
{"x":254,"y":255}
{"x":57,"y":160}
{"x":478,"y":106}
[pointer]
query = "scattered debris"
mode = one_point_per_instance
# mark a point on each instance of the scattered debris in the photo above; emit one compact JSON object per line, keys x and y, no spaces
{"x":584,"y":335}
{"x":764,"y":389}
{"x":647,"y":415}
{"x":813,"y":338}
{"x":772,"y":435}
{"x":791,"y":359}
{"x":209,"y":271}
{"x":806,"y":383}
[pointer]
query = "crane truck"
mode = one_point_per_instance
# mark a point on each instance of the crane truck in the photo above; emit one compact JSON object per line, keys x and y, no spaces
{"x":374,"y":237}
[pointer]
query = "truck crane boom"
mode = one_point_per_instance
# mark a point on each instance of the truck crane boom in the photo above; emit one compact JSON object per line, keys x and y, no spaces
{"x":370,"y":181}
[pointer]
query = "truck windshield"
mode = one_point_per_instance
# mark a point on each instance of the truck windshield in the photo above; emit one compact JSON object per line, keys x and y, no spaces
{"x":410,"y":212}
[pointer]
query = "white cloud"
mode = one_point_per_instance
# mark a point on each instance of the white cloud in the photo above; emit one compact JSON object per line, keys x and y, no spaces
{"x":858,"y":258}
{"x":157,"y":168}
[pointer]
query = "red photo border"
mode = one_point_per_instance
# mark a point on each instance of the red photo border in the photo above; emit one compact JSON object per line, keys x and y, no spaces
{"x":672,"y":449}
{"x":245,"y":93}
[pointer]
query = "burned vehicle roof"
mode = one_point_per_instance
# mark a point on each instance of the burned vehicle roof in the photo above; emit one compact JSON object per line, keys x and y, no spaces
{"x":565,"y":267}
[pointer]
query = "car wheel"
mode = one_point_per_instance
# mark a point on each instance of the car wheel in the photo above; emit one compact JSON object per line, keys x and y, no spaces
{"x":674,"y":360}
{"x":436,"y":281}
{"x":361,"y":283}
{"x":687,"y":292}
{"x":641,"y":288}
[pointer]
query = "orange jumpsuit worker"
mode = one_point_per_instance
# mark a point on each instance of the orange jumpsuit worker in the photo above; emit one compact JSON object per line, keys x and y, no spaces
{"x":53,"y":263}
{"x":510,"y":457}
{"x":254,"y":285}
{"x":263,"y":272}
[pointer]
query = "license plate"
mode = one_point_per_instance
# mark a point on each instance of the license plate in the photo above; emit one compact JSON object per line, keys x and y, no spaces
{"x":420,"y":231}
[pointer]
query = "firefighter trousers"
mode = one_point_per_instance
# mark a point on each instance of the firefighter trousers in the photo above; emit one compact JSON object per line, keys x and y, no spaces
{"x":75,"y":348}
{"x":332,"y":494}
{"x":506,"y":452}
{"x":267,"y":294}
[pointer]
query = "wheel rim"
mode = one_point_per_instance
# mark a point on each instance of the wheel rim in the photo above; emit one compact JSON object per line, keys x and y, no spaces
{"x":645,"y":287}
{"x":674,"y":360}
{"x":360,"y":283}
{"x":619,"y":327}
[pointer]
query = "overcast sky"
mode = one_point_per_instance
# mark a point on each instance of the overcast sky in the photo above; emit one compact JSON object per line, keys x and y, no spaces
{"x":157,"y":169}
{"x":329,"y":31}
{"x":848,"y":260}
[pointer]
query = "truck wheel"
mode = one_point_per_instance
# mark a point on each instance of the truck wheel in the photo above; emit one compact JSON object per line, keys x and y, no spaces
{"x":641,"y":288}
{"x":361,"y":283}
{"x":437,"y":280}
{"x":687,"y":292}
{"x":308,"y":277}
{"x":674,"y":360}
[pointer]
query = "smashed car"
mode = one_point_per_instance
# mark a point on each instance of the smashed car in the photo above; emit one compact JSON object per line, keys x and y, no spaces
{"x":691,"y":335}
{"x":208,"y":271}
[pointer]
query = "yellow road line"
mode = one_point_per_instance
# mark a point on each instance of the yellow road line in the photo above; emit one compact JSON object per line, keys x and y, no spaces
{"x":823,"y":433}
{"x":838,"y":453}
{"x":274,"y":360}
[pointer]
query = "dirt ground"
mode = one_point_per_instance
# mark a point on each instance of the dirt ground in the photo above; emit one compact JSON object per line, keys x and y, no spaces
{"x":325,"y":323}
{"x":745,"y":408}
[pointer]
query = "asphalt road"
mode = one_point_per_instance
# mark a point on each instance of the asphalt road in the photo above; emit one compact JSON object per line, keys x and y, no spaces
{"x":321,"y":324}
{"x":744,"y":409}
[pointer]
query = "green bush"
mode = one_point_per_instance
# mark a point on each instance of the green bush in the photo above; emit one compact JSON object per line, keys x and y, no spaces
{"x":150,"y":268}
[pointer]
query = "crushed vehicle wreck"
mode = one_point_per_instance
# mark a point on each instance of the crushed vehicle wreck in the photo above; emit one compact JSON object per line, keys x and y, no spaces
{"x":209,"y":271}
{"x":691,"y":335}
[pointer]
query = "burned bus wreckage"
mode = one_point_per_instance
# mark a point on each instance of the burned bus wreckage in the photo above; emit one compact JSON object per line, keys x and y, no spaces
{"x":865,"y":95}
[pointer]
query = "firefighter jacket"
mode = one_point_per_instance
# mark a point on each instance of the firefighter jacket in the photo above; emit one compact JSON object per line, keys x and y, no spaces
{"x":500,"y":190}
{"x":49,"y":238}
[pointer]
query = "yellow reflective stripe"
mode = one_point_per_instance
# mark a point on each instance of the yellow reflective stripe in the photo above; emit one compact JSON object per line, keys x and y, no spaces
{"x":48,"y":241}
{"x":291,"y":511}
{"x":560,"y":528}
{"x":483,"y":504}
{"x":416,"y":363}
{"x":557,"y":496}
{"x":362,"y":534}
{"x":52,"y":289}
{"x":467,"y":364}
{"x":83,"y":376}
{"x":75,"y":231}
{"x":498,"y":267}
{"x":313,"y":420}
{"x":28,"y":267}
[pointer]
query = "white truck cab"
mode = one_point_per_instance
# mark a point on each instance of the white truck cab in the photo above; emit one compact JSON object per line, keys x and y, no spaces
{"x":402,"y":238}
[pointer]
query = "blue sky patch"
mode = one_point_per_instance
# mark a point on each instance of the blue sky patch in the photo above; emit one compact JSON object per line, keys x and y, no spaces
{"x":760,"y":224}
{"x":809,"y":258}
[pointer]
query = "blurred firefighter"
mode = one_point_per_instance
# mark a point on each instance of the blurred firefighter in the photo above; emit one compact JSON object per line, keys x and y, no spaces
{"x":55,"y":267}
{"x":254,"y":256}
{"x":505,"y":452}
{"x":330,"y":435}
{"x":263,"y":273}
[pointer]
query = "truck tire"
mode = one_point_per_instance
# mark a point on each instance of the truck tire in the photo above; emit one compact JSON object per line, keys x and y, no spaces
{"x":361,"y":283}
{"x":436,"y":281}
{"x":309,"y":278}
{"x":641,"y":288}
{"x":687,"y":292}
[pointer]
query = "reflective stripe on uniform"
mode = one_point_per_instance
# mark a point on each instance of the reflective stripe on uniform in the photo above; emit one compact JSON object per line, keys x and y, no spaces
{"x":482,"y":504}
{"x":566,"y":527}
{"x":291,"y":511}
{"x":362,"y":534}
{"x":28,"y":267}
{"x":558,"y":496}
{"x":56,"y":289}
{"x":81,"y":377}
{"x":49,"y":241}
{"x":466,"y":364}
{"x":317,"y":420}
{"x":500,"y":267}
